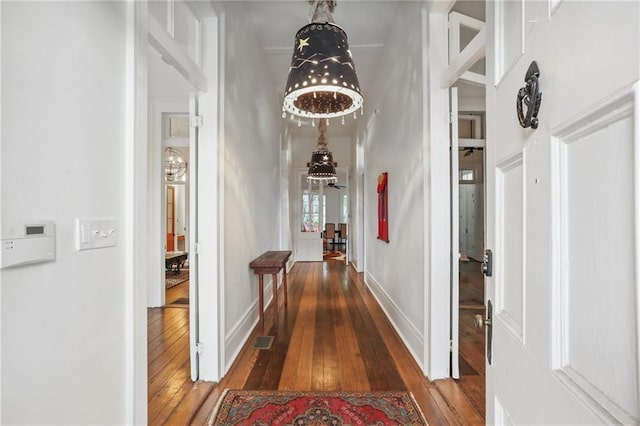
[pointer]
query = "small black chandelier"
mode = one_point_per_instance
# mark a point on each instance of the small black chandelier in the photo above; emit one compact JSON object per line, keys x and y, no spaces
{"x":322,"y":80}
{"x":321,"y":167}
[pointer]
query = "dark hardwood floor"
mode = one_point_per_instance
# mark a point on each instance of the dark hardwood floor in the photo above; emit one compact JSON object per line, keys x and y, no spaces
{"x":173,"y":397}
{"x":472,"y":339}
{"x":331,"y":336}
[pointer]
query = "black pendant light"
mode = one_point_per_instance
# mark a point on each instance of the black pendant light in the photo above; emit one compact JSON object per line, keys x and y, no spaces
{"x":322,"y":80}
{"x":321,"y":167}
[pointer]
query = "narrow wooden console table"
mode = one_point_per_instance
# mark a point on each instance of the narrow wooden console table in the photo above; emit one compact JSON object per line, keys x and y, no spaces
{"x":270,"y":263}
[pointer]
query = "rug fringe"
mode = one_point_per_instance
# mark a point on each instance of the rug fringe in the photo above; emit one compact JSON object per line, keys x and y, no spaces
{"x":212,"y":416}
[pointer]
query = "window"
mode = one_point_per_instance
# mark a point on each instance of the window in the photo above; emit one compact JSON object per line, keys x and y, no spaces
{"x":466,"y":175}
{"x":311,"y":212}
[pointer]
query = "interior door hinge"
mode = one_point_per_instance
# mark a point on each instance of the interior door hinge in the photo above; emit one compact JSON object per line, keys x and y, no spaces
{"x":199,"y":348}
{"x":195,"y":248}
{"x":450,"y":345}
{"x":450,"y":117}
{"x":195,"y":121}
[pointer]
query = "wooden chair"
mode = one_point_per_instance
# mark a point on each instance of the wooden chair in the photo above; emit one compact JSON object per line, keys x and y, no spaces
{"x":343,"y":235}
{"x":330,"y":233}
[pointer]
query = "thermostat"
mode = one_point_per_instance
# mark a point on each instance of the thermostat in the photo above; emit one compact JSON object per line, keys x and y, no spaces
{"x":25,"y":242}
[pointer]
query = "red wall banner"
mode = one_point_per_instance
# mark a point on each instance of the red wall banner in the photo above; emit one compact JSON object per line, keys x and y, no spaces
{"x":383,"y":212}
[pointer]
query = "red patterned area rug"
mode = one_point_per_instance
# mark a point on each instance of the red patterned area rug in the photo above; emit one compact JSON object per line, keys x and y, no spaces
{"x":240,"y":407}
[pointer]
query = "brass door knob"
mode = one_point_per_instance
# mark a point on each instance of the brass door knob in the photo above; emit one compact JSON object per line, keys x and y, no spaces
{"x":480,"y":321}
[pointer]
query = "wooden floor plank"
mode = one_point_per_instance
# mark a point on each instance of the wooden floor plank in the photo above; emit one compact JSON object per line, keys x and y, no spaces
{"x":305,"y":309}
{"x":307,"y":326}
{"x":166,"y":395}
{"x":325,"y":363}
{"x":431,"y":402}
{"x":187,"y":408}
{"x":459,"y":403}
{"x":268,"y":365}
{"x":333,"y":335}
{"x":381,"y":370}
{"x":353,"y":374}
{"x":439,"y":411}
{"x":474,"y":388}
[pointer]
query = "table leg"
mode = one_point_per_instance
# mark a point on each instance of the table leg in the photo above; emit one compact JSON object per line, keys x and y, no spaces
{"x":275,"y":298}
{"x":284,"y":282}
{"x":261,"y":299}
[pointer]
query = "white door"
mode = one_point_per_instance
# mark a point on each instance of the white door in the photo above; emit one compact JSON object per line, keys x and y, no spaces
{"x":468,"y":217}
{"x":193,"y":235}
{"x":563,"y":214}
{"x":310,"y":208}
{"x":455,"y":235}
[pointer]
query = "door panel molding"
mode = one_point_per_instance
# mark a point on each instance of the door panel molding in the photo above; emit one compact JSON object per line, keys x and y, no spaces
{"x":510,"y":271}
{"x":580,"y":355}
{"x":505,"y":58}
{"x":602,"y":142}
{"x":553,"y":6}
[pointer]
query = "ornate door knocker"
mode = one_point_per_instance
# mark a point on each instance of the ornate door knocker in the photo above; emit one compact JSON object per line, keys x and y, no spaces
{"x":530,"y":96}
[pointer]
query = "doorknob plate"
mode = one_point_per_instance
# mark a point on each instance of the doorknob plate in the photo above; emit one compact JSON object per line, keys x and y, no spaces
{"x":489,"y":323}
{"x":487,"y":264}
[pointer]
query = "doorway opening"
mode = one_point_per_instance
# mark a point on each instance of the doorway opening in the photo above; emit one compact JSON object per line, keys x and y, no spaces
{"x":170,"y":324}
{"x":467,"y":83}
{"x":471,"y":353}
{"x":176,"y":212}
{"x":322,"y":214}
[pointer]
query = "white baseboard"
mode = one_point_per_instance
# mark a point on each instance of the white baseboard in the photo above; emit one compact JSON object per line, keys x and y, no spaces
{"x":240,"y":332}
{"x":408,"y":332}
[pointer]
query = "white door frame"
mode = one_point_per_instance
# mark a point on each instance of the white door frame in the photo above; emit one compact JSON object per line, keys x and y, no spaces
{"x":136,"y":240}
{"x":138,"y":208}
{"x":159,"y":110}
{"x":194,"y":275}
{"x":455,"y":235}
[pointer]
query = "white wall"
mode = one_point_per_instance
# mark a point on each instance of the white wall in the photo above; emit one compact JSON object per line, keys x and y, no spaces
{"x":394,"y":144}
{"x":63,"y":155}
{"x":287,"y":201}
{"x":251,"y":175}
{"x":356,"y":199}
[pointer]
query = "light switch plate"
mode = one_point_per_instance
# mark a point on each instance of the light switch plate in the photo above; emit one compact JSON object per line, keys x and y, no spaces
{"x":93,"y":233}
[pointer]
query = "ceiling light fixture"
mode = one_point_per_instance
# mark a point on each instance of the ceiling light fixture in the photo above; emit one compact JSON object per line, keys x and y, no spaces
{"x":322,"y":80}
{"x":175,"y":166}
{"x":321,"y":167}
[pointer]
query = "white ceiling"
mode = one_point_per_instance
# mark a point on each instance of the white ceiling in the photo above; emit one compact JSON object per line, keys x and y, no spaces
{"x":366,"y":22}
{"x":366,"y":27}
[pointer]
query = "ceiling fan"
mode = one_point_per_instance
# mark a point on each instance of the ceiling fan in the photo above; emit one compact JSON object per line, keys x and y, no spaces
{"x":335,"y":185}
{"x":470,"y":150}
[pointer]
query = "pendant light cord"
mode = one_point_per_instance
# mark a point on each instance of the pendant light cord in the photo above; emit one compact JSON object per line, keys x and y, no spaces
{"x":321,"y":10}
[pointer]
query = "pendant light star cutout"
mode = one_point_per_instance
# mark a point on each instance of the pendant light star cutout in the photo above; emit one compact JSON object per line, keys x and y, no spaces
{"x":302,"y":43}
